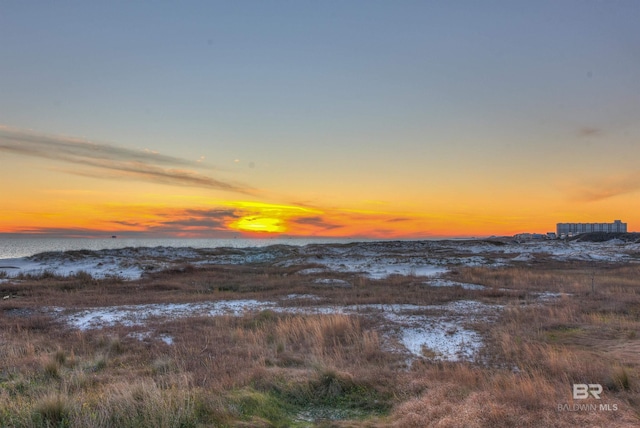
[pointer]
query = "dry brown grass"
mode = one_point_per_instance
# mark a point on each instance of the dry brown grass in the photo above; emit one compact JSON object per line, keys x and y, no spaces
{"x":264,"y":368}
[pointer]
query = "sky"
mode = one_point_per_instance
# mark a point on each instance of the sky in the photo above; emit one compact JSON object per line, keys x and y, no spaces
{"x":372,"y":119}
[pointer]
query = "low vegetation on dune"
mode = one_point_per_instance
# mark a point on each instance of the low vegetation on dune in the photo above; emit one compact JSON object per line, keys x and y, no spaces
{"x":560,"y":324}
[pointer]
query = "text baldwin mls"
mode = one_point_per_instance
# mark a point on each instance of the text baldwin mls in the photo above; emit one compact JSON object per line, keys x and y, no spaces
{"x":583,"y":391}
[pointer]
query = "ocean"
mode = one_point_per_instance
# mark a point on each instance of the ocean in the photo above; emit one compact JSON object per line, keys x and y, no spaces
{"x":23,"y":247}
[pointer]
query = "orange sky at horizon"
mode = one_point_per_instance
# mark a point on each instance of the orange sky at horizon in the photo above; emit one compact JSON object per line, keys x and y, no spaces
{"x":72,"y":194}
{"x":56,"y":203}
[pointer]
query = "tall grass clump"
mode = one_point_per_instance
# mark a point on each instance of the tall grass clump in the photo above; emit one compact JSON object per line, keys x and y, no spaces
{"x":53,"y":410}
{"x":140,"y":404}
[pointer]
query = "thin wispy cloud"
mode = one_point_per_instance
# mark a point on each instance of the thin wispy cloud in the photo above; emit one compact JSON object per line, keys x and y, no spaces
{"x":398,"y":219}
{"x":317,"y":222}
{"x":58,"y":232}
{"x":589,"y":131}
{"x":112,"y":162}
{"x":598,"y":190}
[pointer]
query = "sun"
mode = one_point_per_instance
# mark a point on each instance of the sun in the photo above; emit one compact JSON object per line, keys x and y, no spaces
{"x":259,"y":224}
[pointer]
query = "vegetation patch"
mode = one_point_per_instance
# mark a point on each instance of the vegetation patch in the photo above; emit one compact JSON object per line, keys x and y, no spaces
{"x":317,"y":369}
{"x":263,"y":407}
{"x":562,"y":333}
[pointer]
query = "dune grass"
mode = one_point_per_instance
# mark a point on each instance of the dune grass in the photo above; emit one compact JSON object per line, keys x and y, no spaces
{"x":275,"y":369}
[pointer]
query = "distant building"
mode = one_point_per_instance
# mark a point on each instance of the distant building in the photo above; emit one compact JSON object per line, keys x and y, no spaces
{"x":528,"y":236}
{"x":570,"y":229}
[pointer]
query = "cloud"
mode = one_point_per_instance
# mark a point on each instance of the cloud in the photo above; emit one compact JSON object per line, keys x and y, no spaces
{"x":206,"y":219}
{"x":153,"y":221}
{"x":398,"y":219}
{"x":597,"y":190}
{"x":58,"y":232}
{"x":126,"y":223}
{"x":212,"y":213}
{"x":112,"y":162}
{"x":588,"y":131}
{"x":316,"y":222}
{"x":170,"y":220}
